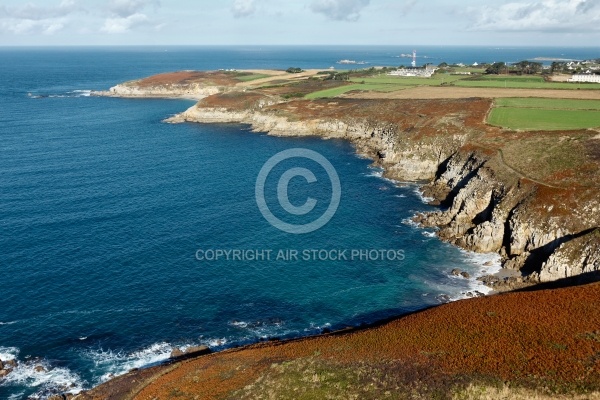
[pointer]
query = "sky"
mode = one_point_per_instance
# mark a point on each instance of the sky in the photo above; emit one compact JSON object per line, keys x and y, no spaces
{"x":296,"y":22}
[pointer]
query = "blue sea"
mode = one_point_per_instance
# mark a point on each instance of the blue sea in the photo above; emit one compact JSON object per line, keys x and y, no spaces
{"x":104,"y":210}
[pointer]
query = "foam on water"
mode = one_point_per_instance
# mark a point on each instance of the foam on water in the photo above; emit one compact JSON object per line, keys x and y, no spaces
{"x":41,"y":375}
{"x":8,"y":353}
{"x":114,"y":363}
{"x":424,"y":199}
{"x":479,"y":260}
{"x":262,"y":329}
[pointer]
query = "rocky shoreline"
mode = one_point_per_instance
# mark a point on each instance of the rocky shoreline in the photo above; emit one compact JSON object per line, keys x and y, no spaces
{"x":542,"y":231}
{"x":485,"y":213}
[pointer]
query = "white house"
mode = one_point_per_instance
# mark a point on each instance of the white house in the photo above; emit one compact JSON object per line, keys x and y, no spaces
{"x":585,"y":78}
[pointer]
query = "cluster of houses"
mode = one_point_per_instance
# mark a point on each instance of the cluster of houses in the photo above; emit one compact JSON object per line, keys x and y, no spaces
{"x":418,"y":72}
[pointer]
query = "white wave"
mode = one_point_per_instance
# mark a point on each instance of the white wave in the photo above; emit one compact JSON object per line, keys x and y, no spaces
{"x":428,"y":234}
{"x":40,"y":375}
{"x":82,"y":93}
{"x":317,"y":328}
{"x":112,"y":363}
{"x":487,"y":264}
{"x":402,"y":196}
{"x":410,"y":222}
{"x":260,"y":329}
{"x":8,"y":323}
{"x":215,"y":342}
{"x":8,"y":353}
{"x":424,"y":199}
{"x":375,"y":173}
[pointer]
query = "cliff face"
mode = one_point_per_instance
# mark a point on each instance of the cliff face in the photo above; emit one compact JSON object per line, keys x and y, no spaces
{"x":546,"y":231}
{"x":193,"y":90}
{"x":521,"y":220}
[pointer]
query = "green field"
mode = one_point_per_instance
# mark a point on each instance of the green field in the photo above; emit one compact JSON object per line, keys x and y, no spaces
{"x":252,"y":77}
{"x":435,"y":80}
{"x":521,"y":82}
{"x":549,"y":117}
{"x":554,"y":104}
{"x":358,"y":86}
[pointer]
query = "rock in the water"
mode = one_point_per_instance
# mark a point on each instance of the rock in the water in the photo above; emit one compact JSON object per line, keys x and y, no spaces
{"x":443,"y":298}
{"x":4,"y":372}
{"x":1,"y":365}
{"x":465,"y":275}
{"x":176,"y":352}
{"x":197,"y":351}
{"x":39,"y":368}
{"x":10,"y":363}
{"x":194,"y":351}
{"x":456,"y":272}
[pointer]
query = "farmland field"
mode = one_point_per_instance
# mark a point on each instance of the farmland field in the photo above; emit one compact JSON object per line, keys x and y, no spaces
{"x":554,"y":104}
{"x":526,"y":118}
{"x":522,"y":82}
{"x":359,"y":86}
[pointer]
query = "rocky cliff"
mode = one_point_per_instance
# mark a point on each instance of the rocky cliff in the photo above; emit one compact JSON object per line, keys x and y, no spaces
{"x":195,"y":91}
{"x":545,"y":228}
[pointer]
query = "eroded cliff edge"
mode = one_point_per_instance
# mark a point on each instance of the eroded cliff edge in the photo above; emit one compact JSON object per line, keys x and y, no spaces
{"x":532,"y":197}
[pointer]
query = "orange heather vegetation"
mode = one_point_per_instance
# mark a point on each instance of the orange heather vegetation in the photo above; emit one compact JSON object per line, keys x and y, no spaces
{"x":220,"y":78}
{"x":545,"y":338}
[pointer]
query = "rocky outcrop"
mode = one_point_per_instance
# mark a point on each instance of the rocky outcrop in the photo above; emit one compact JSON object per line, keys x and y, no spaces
{"x":407,"y":161}
{"x":577,"y":257}
{"x":193,"y":90}
{"x":486,"y":214}
{"x":6,"y":367}
{"x":190,"y":352}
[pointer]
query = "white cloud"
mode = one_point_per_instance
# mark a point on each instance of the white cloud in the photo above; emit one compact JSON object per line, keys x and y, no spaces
{"x":340,"y":10}
{"x":243,"y":8}
{"x":127,"y":15}
{"x":34,"y":19}
{"x":122,"y":25}
{"x":126,"y":8}
{"x":544,"y":15}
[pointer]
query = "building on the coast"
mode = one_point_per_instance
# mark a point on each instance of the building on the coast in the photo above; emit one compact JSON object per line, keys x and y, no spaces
{"x":419,"y":72}
{"x":585,"y":78}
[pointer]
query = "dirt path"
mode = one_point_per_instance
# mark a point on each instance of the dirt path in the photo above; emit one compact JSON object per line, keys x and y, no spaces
{"x":454,"y":92}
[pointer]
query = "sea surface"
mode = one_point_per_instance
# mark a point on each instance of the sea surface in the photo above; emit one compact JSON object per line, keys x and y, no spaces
{"x":104,"y":209}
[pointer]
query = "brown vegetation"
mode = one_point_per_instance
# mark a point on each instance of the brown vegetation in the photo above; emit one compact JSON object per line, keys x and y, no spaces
{"x":543,"y":339}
